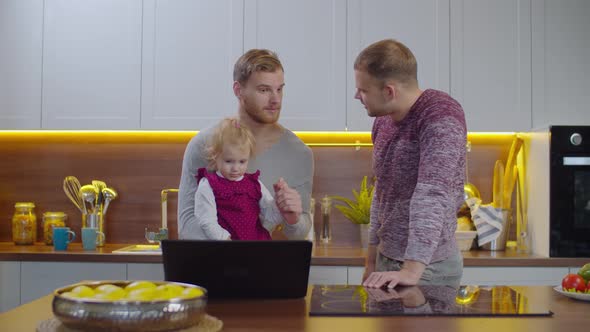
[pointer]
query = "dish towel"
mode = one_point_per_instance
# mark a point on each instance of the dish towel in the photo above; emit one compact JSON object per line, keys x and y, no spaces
{"x":488,"y":220}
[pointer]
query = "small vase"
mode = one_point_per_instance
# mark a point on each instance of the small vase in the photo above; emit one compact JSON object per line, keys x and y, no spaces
{"x":364,"y":235}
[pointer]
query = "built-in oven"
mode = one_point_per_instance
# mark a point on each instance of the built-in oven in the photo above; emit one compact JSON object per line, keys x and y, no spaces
{"x":561,"y":223}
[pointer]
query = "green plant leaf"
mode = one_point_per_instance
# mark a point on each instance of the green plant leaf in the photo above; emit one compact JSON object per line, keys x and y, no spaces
{"x":357,"y":210}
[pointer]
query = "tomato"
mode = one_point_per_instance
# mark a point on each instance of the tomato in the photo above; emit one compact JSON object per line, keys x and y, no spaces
{"x":573,"y":283}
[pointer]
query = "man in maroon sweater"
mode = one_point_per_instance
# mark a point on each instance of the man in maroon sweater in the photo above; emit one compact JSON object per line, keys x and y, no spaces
{"x":419,"y":142}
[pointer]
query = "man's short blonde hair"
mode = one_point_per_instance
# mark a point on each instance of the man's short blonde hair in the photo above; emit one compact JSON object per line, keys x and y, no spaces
{"x":228,"y":132}
{"x":256,"y":60}
{"x":388,"y":59}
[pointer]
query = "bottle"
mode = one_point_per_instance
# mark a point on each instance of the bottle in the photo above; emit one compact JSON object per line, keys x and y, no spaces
{"x":326,"y":229}
{"x":51,"y":220}
{"x":24,"y":223}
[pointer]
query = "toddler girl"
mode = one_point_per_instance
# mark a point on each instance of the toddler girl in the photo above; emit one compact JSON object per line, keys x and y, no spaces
{"x":229,"y":202}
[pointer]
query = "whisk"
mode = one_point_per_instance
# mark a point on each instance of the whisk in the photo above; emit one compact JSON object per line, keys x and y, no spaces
{"x":72,"y":189}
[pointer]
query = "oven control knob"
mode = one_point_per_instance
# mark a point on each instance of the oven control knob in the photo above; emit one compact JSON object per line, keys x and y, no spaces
{"x":576,"y":139}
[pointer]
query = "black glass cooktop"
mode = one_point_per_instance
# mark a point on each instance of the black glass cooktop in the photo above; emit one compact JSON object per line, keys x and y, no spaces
{"x":335,"y":300}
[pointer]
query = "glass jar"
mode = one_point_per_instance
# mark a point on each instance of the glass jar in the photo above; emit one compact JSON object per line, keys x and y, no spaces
{"x":51,"y":220}
{"x":326,"y":229}
{"x":24,"y":223}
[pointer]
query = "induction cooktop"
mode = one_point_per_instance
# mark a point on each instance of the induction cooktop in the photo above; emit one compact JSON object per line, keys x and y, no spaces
{"x":338,"y":300}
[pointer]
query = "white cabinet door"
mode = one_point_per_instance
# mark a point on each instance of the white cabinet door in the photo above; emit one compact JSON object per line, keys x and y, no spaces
{"x":328,"y":275}
{"x":513,"y":276}
{"x":9,"y":285}
{"x":145,"y":271}
{"x":189,"y":50}
{"x":92,"y":64}
{"x":310,"y":39}
{"x":355,"y":275}
{"x":423,"y":26}
{"x":21,"y":31}
{"x":561,"y":69}
{"x":491,"y":63}
{"x":42,"y":278}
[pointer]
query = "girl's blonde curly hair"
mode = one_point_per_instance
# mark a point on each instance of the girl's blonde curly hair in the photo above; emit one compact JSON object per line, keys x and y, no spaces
{"x":228,"y":132}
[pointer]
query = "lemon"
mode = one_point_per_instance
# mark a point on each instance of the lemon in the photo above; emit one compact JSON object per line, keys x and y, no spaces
{"x":108,"y":296}
{"x":141,"y":284}
{"x":168,"y":291}
{"x":109,"y":292}
{"x":83,"y":291}
{"x":70,"y":295}
{"x":190,"y":292}
{"x":141,"y":294}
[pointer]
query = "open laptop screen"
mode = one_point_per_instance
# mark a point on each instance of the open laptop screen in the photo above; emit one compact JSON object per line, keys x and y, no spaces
{"x":240,"y":269}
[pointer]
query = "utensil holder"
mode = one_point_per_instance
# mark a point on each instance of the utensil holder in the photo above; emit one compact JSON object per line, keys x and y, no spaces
{"x":95,"y":220}
{"x":500,"y":242}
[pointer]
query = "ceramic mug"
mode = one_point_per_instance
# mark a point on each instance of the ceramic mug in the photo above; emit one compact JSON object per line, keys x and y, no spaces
{"x":62,"y":236}
{"x":91,"y":237}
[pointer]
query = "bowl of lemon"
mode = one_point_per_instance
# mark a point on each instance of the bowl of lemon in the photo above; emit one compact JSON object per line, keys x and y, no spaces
{"x":129,"y":305}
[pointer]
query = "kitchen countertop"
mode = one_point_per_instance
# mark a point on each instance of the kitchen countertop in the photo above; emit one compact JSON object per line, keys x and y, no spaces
{"x":292,"y":315}
{"x":322,"y":255}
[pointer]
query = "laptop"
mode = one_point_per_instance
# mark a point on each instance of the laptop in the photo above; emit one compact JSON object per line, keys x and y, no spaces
{"x":240,"y":269}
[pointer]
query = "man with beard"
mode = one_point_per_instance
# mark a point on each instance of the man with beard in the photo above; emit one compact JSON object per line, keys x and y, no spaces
{"x":419,"y":139}
{"x":285,"y":162}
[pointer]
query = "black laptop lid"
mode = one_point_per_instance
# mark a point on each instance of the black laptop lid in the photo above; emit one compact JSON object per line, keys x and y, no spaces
{"x":240,"y":269}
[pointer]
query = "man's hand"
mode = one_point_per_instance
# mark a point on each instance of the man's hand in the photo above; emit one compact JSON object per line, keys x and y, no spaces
{"x":370,"y":261}
{"x":288,"y":201}
{"x":409,"y":275}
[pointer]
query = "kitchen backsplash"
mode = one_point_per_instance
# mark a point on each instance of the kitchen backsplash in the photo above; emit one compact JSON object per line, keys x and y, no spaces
{"x":140,"y":164}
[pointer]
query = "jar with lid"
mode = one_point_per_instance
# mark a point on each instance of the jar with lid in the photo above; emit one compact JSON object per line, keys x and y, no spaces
{"x":51,"y":220}
{"x":24,"y":223}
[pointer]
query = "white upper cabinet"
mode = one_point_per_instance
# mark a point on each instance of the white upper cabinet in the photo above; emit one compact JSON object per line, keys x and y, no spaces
{"x":561,"y":62}
{"x":92,"y":64}
{"x":422,"y":25}
{"x":21,"y":33}
{"x":189,"y":49}
{"x":491,"y":63}
{"x":310,"y":39}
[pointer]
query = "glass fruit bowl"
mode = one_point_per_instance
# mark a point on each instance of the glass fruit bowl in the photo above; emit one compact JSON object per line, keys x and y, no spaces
{"x":76,"y":308}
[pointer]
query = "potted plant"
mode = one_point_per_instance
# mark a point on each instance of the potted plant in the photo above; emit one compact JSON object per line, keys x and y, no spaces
{"x":358,"y":210}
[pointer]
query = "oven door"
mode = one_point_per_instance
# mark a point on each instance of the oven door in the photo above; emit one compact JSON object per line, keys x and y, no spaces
{"x":570,"y":206}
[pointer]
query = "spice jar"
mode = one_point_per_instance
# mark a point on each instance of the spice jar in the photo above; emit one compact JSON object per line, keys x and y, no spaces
{"x":24,"y":223}
{"x":51,"y":220}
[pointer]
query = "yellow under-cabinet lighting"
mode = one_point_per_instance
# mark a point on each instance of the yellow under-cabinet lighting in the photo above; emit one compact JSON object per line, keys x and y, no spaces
{"x":311,"y":138}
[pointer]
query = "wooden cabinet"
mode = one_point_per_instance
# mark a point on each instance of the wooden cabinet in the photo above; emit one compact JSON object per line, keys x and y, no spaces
{"x":561,"y":70}
{"x":9,"y":285}
{"x":491,"y":63}
{"x":423,"y":26}
{"x":42,"y":278}
{"x":310,"y":39}
{"x":189,"y":50}
{"x":92,"y":64}
{"x":21,"y":40}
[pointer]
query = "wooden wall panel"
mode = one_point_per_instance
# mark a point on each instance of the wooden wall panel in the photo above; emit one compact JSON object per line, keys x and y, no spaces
{"x":33,"y":170}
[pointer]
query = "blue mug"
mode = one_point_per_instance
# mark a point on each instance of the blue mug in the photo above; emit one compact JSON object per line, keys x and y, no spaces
{"x":91,"y":237}
{"x":62,"y":236}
